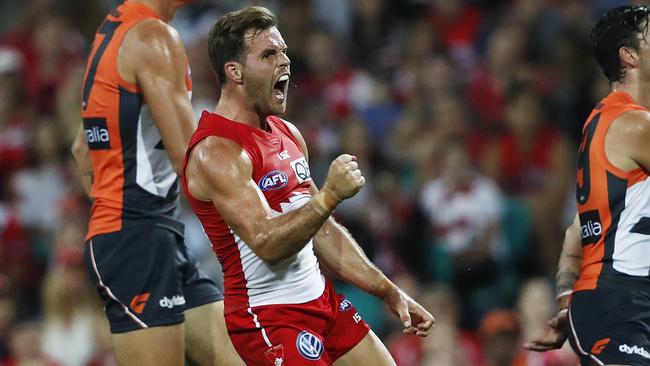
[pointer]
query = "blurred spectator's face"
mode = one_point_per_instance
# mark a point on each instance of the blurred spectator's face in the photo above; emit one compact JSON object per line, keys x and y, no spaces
{"x":536,"y":301}
{"x":320,"y":57}
{"x":437,"y":75}
{"x":75,"y":280}
{"x":8,"y":94}
{"x":447,"y":9}
{"x":421,"y":40}
{"x":46,"y":141}
{"x":354,"y":139}
{"x":456,"y":166}
{"x":501,"y":348}
{"x":25,"y":342}
{"x":505,"y":49}
{"x":6,"y":314}
{"x":442,"y":303}
{"x":49,"y":35}
{"x":523,"y":113}
{"x":370,"y":9}
{"x":449,"y":116}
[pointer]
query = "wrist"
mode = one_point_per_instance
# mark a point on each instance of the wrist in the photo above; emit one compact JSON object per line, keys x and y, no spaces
{"x":563,"y":300}
{"x":327,"y":199}
{"x":382,"y":287}
{"x":322,"y":204}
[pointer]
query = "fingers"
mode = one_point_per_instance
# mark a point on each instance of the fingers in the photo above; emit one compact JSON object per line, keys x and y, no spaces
{"x":425,"y":322}
{"x":346,"y":158}
{"x":424,"y":328}
{"x":537,"y":347}
{"x":352,"y":166}
{"x":551,"y":340}
{"x":558,"y":322}
{"x":404,"y":316}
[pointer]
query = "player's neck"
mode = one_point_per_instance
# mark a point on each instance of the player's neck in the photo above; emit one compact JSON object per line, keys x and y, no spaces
{"x":164,"y":8}
{"x":235,"y":107}
{"x":637,"y":89}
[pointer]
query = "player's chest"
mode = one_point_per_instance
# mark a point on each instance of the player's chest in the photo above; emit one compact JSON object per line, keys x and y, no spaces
{"x":281,"y":168}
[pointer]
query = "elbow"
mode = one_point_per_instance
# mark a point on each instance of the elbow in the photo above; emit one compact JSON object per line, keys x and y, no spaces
{"x":76,"y":149}
{"x":177,"y":163}
{"x":266,"y":253}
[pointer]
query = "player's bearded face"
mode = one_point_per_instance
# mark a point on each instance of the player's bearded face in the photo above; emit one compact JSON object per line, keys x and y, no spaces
{"x":266,"y":73}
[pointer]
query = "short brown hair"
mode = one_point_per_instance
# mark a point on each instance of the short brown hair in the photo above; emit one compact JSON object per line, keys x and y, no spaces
{"x":226,"y":40}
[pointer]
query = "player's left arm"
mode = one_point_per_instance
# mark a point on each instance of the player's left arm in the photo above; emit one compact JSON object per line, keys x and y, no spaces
{"x":567,"y":275}
{"x":81,"y":154}
{"x":338,"y":250}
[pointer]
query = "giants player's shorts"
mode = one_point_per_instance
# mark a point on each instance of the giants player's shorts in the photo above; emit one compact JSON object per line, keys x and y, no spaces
{"x":611,"y":326}
{"x":146,"y":277}
{"x":314,"y":333}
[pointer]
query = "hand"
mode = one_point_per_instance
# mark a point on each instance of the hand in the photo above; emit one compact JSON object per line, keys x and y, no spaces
{"x":555,"y":336}
{"x":344,"y":178}
{"x":414,"y":317}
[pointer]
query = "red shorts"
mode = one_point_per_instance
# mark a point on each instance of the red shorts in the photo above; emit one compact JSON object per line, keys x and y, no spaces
{"x":314,"y":333}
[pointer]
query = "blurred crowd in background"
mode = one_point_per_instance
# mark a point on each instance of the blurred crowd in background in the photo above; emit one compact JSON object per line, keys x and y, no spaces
{"x":464,"y":116}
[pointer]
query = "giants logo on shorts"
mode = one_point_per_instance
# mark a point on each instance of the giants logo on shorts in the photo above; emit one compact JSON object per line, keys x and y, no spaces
{"x":273,"y":180}
{"x":139,"y":302}
{"x":599,"y":346}
{"x":591,"y":229}
{"x":301,"y":168}
{"x":309,"y":346}
{"x":97,"y":135}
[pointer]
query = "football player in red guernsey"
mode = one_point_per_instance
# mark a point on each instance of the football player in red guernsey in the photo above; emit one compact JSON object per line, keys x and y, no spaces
{"x":247,"y":178}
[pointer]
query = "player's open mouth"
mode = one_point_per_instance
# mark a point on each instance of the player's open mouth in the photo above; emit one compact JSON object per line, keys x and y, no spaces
{"x":280,"y":87}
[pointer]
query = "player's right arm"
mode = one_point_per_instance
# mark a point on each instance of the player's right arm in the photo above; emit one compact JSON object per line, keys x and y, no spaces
{"x":153,"y":57}
{"x":219,"y":170}
{"x":81,"y":155}
{"x":567,"y":275}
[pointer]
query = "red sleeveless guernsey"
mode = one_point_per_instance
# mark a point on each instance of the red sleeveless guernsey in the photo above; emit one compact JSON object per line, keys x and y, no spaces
{"x":281,"y":173}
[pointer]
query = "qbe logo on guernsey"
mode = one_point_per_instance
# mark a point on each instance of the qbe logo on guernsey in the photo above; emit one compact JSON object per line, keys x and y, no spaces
{"x":301,"y":168}
{"x":309,"y":346}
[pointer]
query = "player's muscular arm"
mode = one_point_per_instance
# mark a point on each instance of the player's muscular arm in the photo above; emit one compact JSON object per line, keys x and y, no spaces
{"x":153,"y":57}
{"x":221,"y":171}
{"x":338,"y":250}
{"x":81,"y":155}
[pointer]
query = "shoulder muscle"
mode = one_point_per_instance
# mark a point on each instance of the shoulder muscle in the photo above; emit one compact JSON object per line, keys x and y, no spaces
{"x":217,"y":163}
{"x":630,"y":133}
{"x":152,"y":47}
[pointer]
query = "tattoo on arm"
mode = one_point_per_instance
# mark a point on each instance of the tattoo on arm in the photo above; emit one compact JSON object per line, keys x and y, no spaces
{"x":565,"y":280}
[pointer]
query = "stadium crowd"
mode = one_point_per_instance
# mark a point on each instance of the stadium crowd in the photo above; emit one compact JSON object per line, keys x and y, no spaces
{"x":464,"y":116}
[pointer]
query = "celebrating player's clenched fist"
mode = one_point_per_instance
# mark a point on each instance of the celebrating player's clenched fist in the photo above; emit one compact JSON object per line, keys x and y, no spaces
{"x":344,"y":178}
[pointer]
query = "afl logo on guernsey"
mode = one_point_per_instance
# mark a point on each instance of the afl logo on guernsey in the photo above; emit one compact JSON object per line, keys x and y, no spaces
{"x":309,"y":346}
{"x":273,"y":180}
